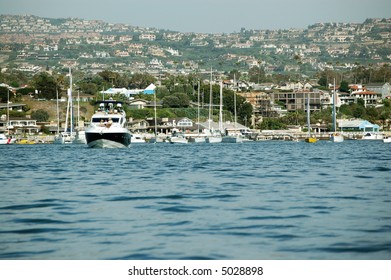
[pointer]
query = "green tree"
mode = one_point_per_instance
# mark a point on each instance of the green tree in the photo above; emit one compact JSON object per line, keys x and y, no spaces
{"x":4,"y":94}
{"x":272,"y":123}
{"x":141,"y":80}
{"x":25,"y":91}
{"x":344,"y":86}
{"x":40,"y":115}
{"x":256,"y":74}
{"x":358,"y":112}
{"x":177,"y":100}
{"x":46,"y":85}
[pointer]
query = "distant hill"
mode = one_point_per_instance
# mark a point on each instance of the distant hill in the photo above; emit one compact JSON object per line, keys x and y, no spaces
{"x":31,"y":41}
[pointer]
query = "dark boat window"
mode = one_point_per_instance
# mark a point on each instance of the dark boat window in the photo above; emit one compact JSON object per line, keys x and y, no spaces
{"x":98,"y":120}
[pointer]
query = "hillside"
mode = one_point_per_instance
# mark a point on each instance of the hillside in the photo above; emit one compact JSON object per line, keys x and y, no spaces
{"x":33,"y":44}
{"x":86,"y":110}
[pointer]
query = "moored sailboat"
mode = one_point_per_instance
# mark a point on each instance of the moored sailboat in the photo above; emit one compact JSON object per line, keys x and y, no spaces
{"x":3,"y":138}
{"x":198,"y":138}
{"x":213,"y":135}
{"x":235,"y":137}
{"x":335,"y":136}
{"x":68,"y":135}
{"x":310,"y":138}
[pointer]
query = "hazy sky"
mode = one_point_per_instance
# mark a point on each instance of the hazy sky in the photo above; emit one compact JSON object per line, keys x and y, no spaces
{"x":209,"y":16}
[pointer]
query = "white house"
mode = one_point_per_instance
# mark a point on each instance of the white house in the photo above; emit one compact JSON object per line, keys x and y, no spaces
{"x":127,"y":92}
{"x":383,"y":88}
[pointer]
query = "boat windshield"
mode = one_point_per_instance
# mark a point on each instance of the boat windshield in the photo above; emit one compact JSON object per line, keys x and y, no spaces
{"x":104,"y":119}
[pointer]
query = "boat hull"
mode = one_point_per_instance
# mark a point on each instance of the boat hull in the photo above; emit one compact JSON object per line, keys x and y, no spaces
{"x":4,"y":140}
{"x":213,"y":139}
{"x":336,"y":138}
{"x":372,"y":136}
{"x":108,"y":139}
{"x":197,"y":140}
{"x":80,"y":137}
{"x":178,"y":140}
{"x":311,"y":140}
{"x":136,"y":139}
{"x":232,"y":139}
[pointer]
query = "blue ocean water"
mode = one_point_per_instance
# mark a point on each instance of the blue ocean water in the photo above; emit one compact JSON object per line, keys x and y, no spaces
{"x":257,"y":200}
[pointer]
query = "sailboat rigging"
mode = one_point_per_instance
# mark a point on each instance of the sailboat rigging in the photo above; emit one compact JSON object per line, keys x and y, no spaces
{"x":335,"y":136}
{"x":67,"y":137}
{"x":309,"y":139}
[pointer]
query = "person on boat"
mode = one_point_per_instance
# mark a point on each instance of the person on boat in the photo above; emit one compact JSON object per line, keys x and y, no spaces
{"x":109,"y":123}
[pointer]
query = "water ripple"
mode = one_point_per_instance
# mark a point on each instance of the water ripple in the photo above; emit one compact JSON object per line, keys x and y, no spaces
{"x":261,"y":200}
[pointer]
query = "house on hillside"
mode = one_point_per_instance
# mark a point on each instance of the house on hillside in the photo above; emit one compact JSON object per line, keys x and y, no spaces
{"x":370,"y":98}
{"x":137,"y":104}
{"x":383,"y":88}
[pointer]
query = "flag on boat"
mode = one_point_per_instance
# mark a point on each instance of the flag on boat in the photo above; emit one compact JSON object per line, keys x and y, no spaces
{"x":150,"y":89}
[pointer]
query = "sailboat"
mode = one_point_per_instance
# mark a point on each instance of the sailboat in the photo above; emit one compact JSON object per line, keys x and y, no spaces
{"x":3,"y":138}
{"x":80,"y":137}
{"x":198,"y":138}
{"x":335,"y":136}
{"x":154,"y":139}
{"x":215,"y":136}
{"x":309,"y":139}
{"x":236,"y":137}
{"x":67,"y":137}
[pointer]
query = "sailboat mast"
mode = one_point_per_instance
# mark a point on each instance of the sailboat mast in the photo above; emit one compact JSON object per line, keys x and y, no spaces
{"x":67,"y":115}
{"x":58,"y":114}
{"x":235,"y":106}
{"x":221,"y":108}
{"x":70,"y":98}
{"x":308,"y":116}
{"x":198,"y":109}
{"x":210,"y":100}
{"x":8,"y":111}
{"x":334,"y":113}
{"x":154,"y":107}
{"x":78,"y":108}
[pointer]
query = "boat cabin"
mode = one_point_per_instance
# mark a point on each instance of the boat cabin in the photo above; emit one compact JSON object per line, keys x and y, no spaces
{"x":109,"y":112}
{"x":110,"y":106}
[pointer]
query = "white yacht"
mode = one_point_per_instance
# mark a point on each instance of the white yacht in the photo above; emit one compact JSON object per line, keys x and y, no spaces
{"x":108,"y":126}
{"x":136,"y":138}
{"x":178,"y":138}
{"x":372,"y":136}
{"x":80,"y":137}
{"x":232,"y":139}
{"x":6,"y":140}
{"x":66,"y":137}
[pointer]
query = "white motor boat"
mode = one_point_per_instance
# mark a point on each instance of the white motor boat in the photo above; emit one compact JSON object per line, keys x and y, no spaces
{"x":80,"y":137}
{"x":65,"y":137}
{"x":372,"y":136}
{"x":196,"y":139}
{"x":136,"y":138}
{"x":336,"y":137}
{"x":108,"y":126}
{"x":4,"y":140}
{"x":178,"y":138}
{"x":232,"y":139}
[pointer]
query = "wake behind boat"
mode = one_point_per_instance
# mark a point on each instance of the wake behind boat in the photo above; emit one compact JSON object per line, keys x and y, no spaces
{"x":108,"y":126}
